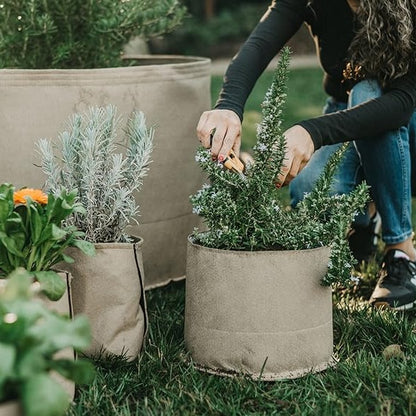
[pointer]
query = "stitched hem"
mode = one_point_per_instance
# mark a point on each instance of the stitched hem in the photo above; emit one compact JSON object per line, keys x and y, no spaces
{"x":397,"y":239}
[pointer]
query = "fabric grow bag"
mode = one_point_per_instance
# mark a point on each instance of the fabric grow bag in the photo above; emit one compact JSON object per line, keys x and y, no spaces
{"x":261,"y":313}
{"x":11,"y":408}
{"x":109,"y":289}
{"x":172,"y":91}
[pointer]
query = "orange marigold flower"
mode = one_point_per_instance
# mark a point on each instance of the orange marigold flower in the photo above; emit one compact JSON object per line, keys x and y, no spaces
{"x":19,"y":197}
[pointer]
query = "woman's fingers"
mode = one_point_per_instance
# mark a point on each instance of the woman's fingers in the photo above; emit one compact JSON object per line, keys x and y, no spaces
{"x":218,"y":138}
{"x":219,"y":130}
{"x":203,"y":129}
{"x":299,"y":149}
{"x":294,"y":170}
{"x":231,"y":140}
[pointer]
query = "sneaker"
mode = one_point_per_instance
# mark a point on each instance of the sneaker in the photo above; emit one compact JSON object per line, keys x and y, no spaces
{"x":363,"y":241}
{"x":396,"y":287}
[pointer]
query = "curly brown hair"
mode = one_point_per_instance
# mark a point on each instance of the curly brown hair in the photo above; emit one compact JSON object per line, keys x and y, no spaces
{"x":384,"y":46}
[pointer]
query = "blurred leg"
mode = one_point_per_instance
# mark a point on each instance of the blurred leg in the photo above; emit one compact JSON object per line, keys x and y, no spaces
{"x":387,"y":169}
{"x":386,"y":161}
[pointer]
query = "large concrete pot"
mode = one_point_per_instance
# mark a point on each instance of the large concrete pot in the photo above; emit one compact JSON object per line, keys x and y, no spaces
{"x":172,"y":91}
{"x":261,"y":313}
{"x":109,"y":289}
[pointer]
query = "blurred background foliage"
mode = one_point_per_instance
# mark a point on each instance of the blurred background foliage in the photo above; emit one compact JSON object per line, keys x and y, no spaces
{"x":216,"y":28}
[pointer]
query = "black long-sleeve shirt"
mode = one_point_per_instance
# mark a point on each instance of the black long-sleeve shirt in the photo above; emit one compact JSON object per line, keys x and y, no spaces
{"x":332,"y":25}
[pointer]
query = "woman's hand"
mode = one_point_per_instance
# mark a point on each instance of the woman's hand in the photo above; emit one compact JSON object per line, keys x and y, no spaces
{"x":225,"y":128}
{"x":299,"y":149}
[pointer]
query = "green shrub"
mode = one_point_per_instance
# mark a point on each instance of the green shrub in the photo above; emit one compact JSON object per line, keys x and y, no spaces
{"x":246,"y":213}
{"x":229,"y":25}
{"x":78,"y":33}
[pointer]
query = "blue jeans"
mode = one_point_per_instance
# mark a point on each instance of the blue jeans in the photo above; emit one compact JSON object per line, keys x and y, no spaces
{"x":383,"y":161}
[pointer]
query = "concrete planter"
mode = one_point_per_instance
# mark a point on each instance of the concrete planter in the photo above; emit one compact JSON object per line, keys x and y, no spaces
{"x":262,"y":313}
{"x":109,"y":289}
{"x":172,"y":91}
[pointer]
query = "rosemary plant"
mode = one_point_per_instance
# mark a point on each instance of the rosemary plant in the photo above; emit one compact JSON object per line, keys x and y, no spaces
{"x":87,"y":161}
{"x":78,"y":33}
{"x":247,"y":214}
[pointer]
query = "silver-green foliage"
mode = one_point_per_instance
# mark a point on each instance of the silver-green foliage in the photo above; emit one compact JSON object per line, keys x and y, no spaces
{"x":246,"y":214}
{"x":86,"y":160}
{"x":79,"y":33}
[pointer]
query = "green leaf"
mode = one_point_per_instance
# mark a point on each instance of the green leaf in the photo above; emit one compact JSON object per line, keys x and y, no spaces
{"x":79,"y":209}
{"x":10,"y":245}
{"x":5,"y":266}
{"x":6,"y":189}
{"x":60,"y":332}
{"x":19,"y":241}
{"x":43,"y":396}
{"x":7,"y":360}
{"x":5,"y":209}
{"x":30,"y":363}
{"x":58,"y":233}
{"x":61,"y":208}
{"x":14,"y":226}
{"x":80,"y":371}
{"x":18,"y":285}
{"x":67,"y":259}
{"x":66,"y":206}
{"x":35,"y":224}
{"x":52,"y":285}
{"x":85,"y":246}
{"x":46,"y":234}
{"x":14,"y":221}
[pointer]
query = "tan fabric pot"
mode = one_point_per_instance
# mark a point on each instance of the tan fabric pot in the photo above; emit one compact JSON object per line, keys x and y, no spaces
{"x":262,"y":313}
{"x":63,"y":306}
{"x":172,"y":91}
{"x":11,"y":408}
{"x":109,"y":289}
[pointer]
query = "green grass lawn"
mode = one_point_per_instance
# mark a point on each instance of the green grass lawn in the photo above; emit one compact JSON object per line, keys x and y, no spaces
{"x":164,"y":381}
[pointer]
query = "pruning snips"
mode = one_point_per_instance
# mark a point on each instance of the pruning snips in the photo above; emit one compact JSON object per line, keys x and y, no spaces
{"x":232,"y":162}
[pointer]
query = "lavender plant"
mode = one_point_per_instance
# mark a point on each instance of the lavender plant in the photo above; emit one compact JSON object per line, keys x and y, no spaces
{"x":86,"y":160}
{"x":247,"y":213}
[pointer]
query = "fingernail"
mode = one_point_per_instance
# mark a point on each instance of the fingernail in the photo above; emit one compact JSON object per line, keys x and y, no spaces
{"x":220,"y":158}
{"x":278,"y":185}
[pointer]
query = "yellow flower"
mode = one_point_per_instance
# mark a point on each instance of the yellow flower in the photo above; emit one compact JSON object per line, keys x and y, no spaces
{"x":19,"y":197}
